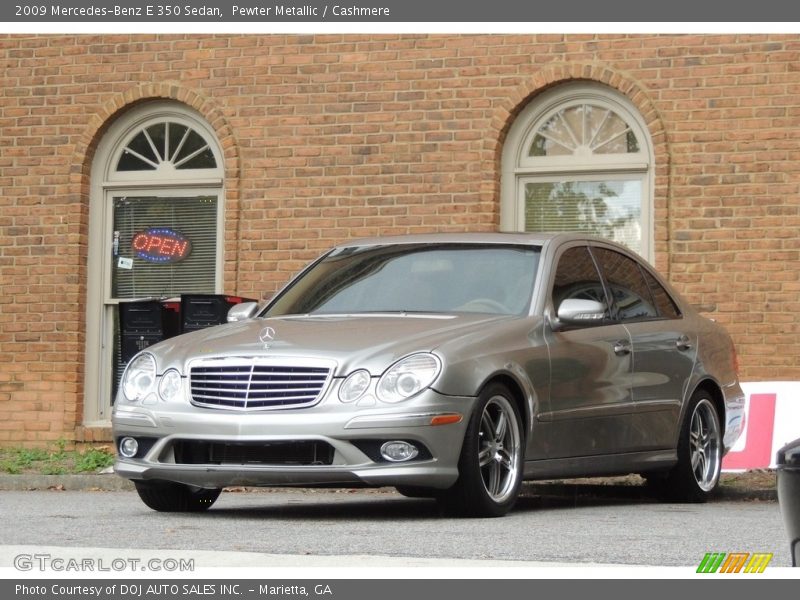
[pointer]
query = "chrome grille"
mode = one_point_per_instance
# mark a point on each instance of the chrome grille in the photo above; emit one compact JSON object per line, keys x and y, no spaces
{"x":257,"y":386}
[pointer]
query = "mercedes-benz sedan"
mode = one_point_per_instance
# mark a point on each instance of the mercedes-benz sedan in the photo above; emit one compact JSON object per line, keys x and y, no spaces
{"x":448,"y":366}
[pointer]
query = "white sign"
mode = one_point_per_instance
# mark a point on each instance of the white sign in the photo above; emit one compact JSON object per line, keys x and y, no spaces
{"x":124,"y":263}
{"x":772,"y":420}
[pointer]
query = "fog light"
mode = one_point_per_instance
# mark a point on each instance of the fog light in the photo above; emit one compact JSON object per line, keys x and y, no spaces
{"x":128,"y":447}
{"x":399,"y":451}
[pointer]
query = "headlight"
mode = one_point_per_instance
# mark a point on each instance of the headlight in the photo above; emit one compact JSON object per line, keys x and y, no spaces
{"x":354,"y":386}
{"x":169,"y":387}
{"x":408,"y":377}
{"x":139,"y":378}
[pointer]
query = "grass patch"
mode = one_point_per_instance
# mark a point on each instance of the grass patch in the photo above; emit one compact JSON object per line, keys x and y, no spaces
{"x":56,"y":460}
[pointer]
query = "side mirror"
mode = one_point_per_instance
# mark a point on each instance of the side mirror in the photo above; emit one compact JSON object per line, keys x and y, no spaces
{"x":242,"y":312}
{"x":581,"y":313}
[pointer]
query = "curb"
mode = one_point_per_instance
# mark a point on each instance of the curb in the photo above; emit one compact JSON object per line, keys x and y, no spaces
{"x":74,"y":483}
{"x":108,"y":482}
{"x":639,"y":493}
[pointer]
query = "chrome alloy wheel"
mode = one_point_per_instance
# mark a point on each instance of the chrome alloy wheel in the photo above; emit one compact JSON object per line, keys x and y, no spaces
{"x":499,"y":446}
{"x":705,"y":445}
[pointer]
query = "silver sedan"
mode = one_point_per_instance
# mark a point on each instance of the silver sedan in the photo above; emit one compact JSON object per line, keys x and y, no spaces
{"x":448,"y":366}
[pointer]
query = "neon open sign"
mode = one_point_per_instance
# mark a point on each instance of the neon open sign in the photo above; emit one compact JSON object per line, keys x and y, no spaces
{"x":161,"y":245}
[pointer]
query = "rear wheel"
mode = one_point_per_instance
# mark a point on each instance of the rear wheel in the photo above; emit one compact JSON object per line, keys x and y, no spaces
{"x":490,"y":466}
{"x":175,"y":497}
{"x":696,"y":475}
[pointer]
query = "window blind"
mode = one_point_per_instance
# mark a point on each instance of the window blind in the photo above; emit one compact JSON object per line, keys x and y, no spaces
{"x":607,"y":208}
{"x":195,"y":218}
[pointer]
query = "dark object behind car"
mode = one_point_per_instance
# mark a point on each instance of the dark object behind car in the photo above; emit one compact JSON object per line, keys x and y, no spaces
{"x":788,"y":461}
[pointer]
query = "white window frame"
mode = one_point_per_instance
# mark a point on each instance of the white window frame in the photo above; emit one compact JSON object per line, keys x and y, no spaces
{"x":106,"y":183}
{"x":518,"y":168}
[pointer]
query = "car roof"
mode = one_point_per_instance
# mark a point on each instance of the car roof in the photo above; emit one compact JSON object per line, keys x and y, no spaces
{"x":531,"y":239}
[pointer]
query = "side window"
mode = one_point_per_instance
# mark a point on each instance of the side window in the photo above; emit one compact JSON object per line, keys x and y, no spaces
{"x":577,"y":277}
{"x":627,"y":285}
{"x":664,"y":303}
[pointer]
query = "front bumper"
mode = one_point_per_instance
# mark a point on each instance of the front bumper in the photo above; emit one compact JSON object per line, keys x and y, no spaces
{"x":344,"y":429}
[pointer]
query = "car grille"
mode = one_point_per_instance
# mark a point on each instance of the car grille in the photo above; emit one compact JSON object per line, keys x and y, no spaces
{"x":306,"y":453}
{"x":257,"y":386}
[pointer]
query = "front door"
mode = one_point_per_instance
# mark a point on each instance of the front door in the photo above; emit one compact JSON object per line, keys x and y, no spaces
{"x":590,"y":406}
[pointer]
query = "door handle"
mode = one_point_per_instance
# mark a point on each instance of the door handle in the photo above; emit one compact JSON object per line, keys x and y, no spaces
{"x":683,"y":343}
{"x":622,"y":347}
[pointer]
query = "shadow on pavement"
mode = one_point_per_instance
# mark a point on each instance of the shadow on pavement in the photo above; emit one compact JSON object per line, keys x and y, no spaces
{"x":386,"y":504}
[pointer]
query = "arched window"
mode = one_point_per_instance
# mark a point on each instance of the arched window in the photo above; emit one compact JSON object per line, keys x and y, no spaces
{"x":166,"y":145}
{"x":155,"y":228}
{"x":578,"y":158}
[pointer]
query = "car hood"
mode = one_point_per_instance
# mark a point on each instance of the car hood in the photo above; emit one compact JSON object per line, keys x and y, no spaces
{"x":353,"y":341}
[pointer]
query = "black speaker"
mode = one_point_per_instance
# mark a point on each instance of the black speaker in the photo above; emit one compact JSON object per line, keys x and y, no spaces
{"x":140,"y":325}
{"x":199,"y":311}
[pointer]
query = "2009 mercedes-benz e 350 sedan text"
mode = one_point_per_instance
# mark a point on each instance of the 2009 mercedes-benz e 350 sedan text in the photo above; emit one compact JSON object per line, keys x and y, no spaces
{"x":448,"y":366}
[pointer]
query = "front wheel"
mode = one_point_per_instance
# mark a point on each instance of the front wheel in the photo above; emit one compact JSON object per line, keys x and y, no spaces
{"x":696,"y":475}
{"x":490,"y":466}
{"x":175,"y":497}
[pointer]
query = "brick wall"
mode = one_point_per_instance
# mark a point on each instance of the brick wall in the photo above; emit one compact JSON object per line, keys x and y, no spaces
{"x":330,"y":137}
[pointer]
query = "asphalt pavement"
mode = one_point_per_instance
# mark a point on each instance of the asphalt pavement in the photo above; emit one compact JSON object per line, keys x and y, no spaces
{"x":584,"y":523}
{"x":755,"y":485}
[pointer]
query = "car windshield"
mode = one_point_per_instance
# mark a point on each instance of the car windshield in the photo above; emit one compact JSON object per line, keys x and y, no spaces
{"x":430,"y":278}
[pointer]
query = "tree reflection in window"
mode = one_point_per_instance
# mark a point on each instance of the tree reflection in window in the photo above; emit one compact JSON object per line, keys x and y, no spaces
{"x":166,"y":145}
{"x":608,"y":208}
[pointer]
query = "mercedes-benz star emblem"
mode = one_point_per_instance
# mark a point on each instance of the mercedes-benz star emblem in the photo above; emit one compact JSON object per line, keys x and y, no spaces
{"x":266,"y":336}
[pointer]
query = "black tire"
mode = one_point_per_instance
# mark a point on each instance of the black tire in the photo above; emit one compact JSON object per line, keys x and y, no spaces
{"x":491,"y":462}
{"x":696,"y":475}
{"x":175,"y":497}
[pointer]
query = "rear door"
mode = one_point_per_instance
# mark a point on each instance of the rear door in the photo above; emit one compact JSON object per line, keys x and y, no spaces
{"x":664,"y":352}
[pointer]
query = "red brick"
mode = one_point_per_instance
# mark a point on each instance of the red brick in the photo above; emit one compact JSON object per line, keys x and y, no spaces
{"x":328,"y":137}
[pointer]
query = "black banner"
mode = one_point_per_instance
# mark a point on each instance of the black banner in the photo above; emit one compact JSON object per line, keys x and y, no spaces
{"x":396,"y":589}
{"x":395,"y":11}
